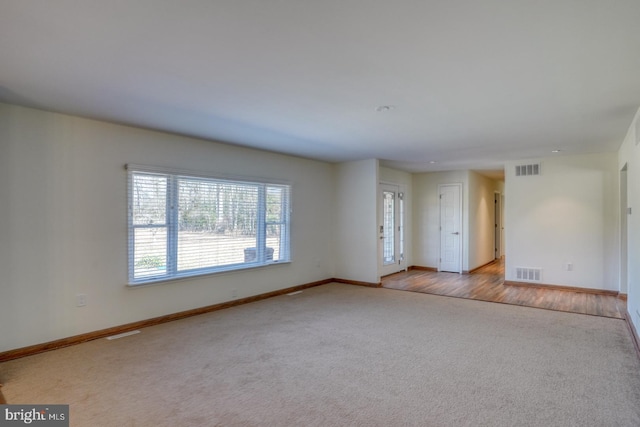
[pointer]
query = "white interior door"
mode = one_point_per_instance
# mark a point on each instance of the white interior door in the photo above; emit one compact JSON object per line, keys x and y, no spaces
{"x":450,"y":228}
{"x":390,"y":230}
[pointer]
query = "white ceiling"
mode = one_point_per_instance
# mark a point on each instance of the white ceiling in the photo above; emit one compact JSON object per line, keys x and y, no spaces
{"x":472,"y":83}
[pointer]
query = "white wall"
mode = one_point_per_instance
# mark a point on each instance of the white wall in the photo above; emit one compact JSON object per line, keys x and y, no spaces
{"x":355,"y":221}
{"x":629,"y":155}
{"x":481,"y":219}
{"x":405,"y":181}
{"x":568,"y":214}
{"x":426,"y":216}
{"x":63,"y":226}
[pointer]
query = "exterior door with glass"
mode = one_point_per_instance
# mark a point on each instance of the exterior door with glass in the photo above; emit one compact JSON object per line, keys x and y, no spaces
{"x":391,"y":230}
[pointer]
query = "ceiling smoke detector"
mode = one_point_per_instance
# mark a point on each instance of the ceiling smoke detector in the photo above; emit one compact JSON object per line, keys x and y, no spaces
{"x":383,"y":108}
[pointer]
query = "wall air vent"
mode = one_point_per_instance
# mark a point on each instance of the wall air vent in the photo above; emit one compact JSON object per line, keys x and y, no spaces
{"x":526,"y":170}
{"x":529,"y":274}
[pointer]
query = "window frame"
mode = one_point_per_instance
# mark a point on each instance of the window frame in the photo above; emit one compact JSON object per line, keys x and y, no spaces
{"x":172,"y":226}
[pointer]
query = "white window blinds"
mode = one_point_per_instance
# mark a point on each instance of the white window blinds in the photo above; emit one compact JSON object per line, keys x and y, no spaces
{"x":181,"y":225}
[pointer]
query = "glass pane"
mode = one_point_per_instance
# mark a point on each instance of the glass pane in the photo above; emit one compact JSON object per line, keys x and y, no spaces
{"x":149,"y":199}
{"x":198,"y":205}
{"x":388,"y":246}
{"x":217,"y":223}
{"x":276,"y":228}
{"x":150,"y":252}
{"x":273,"y":242}
{"x":275,"y":200}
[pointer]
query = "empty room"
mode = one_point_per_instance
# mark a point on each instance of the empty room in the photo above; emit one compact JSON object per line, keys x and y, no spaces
{"x":294,"y":213}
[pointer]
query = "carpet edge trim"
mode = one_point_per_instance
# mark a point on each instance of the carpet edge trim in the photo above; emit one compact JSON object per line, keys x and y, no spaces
{"x":357,"y":283}
{"x":633,"y":332}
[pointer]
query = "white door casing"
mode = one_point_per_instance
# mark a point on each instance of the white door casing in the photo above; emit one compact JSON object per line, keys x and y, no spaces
{"x":624,"y":231}
{"x":497,"y":221}
{"x":450,"y":227}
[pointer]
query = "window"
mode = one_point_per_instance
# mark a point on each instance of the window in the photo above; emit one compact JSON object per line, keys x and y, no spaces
{"x":182,"y":225}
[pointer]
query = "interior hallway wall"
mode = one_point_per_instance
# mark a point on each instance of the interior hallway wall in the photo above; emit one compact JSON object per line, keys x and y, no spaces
{"x":481,"y":218}
{"x":566,"y":215}
{"x":355,"y":220}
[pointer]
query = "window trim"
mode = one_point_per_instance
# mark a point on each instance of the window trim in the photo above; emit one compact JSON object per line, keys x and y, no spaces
{"x":171,"y":222}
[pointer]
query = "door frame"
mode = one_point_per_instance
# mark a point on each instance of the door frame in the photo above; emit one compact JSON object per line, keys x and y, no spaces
{"x":497,"y":221}
{"x":460,"y":222}
{"x":624,"y":230}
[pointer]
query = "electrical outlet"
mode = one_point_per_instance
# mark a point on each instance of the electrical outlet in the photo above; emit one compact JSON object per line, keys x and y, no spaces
{"x":569,"y":266}
{"x":81,"y":300}
{"x":234,"y":293}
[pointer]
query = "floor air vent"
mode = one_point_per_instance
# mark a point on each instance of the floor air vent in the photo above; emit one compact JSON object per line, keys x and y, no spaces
{"x":529,"y":274}
{"x":526,"y":170}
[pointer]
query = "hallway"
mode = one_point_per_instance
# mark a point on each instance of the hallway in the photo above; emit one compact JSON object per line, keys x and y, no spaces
{"x":487,"y":284}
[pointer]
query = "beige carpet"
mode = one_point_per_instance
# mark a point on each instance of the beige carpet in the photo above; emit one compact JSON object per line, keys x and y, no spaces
{"x":345,"y":355}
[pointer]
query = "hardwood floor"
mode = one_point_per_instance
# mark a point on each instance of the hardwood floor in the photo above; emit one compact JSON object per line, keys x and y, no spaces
{"x":487,"y":284}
